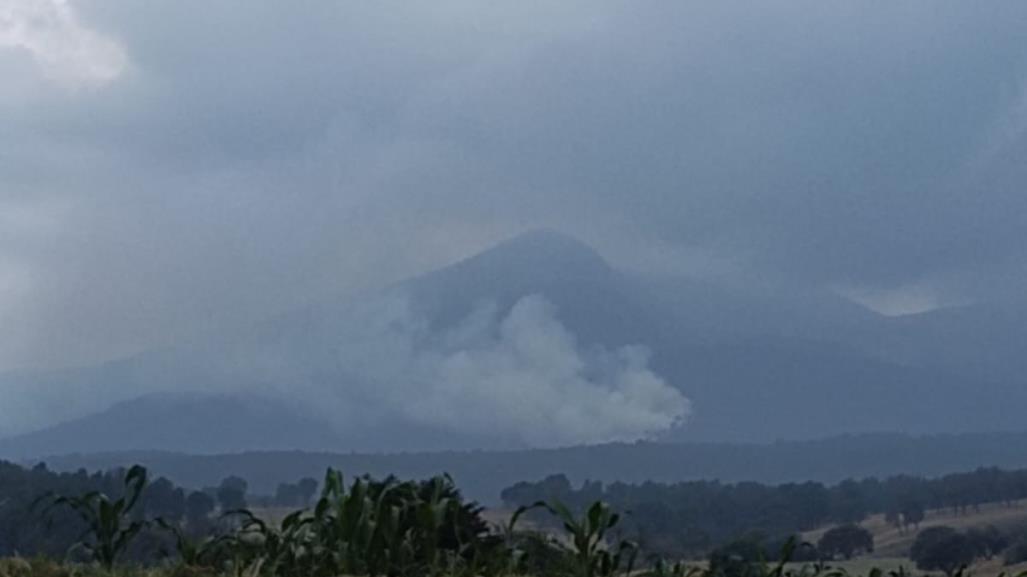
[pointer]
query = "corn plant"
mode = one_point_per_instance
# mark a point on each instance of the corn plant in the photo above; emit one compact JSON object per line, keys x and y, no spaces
{"x":367,"y":528}
{"x":280,"y":550}
{"x":588,"y":537}
{"x":212,"y":551}
{"x":109,"y":528}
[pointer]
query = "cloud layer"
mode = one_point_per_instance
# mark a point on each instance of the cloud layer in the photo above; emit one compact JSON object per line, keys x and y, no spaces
{"x":64,"y":51}
{"x":238,"y":160}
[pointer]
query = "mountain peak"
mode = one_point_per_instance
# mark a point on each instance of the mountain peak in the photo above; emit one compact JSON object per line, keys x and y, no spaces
{"x":544,"y":250}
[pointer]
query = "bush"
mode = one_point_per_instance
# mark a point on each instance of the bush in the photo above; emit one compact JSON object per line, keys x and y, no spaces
{"x":749,"y":555}
{"x":943,"y":549}
{"x":845,"y":541}
{"x":738,"y":558}
{"x":1016,"y":553}
{"x":987,"y":542}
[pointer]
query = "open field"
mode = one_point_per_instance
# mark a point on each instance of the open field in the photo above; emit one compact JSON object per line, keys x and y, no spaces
{"x":891,"y":545}
{"x":891,"y":542}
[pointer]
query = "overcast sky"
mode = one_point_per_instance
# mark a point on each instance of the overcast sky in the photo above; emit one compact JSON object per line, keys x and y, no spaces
{"x":171,"y":167}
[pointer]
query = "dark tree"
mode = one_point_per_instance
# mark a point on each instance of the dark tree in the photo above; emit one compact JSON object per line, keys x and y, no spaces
{"x":307,"y":488}
{"x":987,"y":542}
{"x":942,"y":549}
{"x":162,"y":499}
{"x":845,"y":541}
{"x":287,"y":495}
{"x":738,"y":558}
{"x":913,"y":513}
{"x":232,"y":493}
{"x":850,"y":504}
{"x":198,"y":507}
{"x":1016,"y":553}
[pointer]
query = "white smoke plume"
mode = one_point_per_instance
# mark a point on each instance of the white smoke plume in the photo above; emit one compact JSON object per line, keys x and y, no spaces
{"x":521,"y":376}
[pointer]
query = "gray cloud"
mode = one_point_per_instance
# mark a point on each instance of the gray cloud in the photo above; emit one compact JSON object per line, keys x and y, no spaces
{"x":247,"y":158}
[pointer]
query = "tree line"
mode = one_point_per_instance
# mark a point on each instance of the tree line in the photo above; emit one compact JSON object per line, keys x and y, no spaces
{"x":24,"y":531}
{"x":690,"y":519}
{"x":425,"y":528}
{"x":369,"y":527}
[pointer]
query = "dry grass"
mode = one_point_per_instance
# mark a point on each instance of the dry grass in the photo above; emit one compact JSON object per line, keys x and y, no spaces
{"x":890,"y":542}
{"x":891,"y":546}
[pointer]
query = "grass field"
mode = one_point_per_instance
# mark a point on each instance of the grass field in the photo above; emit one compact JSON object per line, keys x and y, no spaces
{"x":891,"y":545}
{"x":890,"y":542}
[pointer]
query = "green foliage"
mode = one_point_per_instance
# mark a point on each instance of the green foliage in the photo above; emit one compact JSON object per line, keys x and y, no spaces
{"x":1016,"y":553}
{"x":109,"y":528}
{"x":845,"y":541}
{"x":231,"y":493}
{"x":987,"y":542}
{"x":394,"y":528}
{"x":588,"y":536}
{"x":750,"y":557}
{"x":690,"y":518}
{"x":740,"y":558}
{"x":405,"y":529}
{"x":943,"y":549}
{"x":367,"y":528}
{"x":208,"y":551}
{"x":297,"y":494}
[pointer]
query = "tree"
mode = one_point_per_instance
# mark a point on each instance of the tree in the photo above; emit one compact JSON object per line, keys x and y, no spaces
{"x":198,"y":507}
{"x":737,"y":558}
{"x":912,"y":513}
{"x":942,"y":549}
{"x":845,"y":541}
{"x":987,"y":542}
{"x":162,"y":499}
{"x":232,"y":493}
{"x":287,"y":495}
{"x":1015,"y":554}
{"x":307,"y":487}
{"x":849,"y":505}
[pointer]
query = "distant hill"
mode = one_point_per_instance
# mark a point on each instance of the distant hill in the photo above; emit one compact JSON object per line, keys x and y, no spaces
{"x":171,"y":421}
{"x":483,"y":474}
{"x":342,"y":375}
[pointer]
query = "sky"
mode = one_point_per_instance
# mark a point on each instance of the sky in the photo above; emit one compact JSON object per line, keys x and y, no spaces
{"x":168,"y":169}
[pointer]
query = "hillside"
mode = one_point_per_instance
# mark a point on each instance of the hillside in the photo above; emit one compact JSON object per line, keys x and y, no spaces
{"x":890,"y":542}
{"x":542,"y":323}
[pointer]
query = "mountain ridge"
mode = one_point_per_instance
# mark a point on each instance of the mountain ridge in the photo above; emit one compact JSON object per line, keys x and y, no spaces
{"x":737,"y":357}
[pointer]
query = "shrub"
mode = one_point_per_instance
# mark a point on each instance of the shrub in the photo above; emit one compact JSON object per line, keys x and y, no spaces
{"x":1016,"y":553}
{"x":943,"y":549}
{"x":738,"y":558}
{"x":845,"y":541}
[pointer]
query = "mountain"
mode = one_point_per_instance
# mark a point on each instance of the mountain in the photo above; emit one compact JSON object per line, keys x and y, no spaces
{"x":982,"y":340}
{"x":536,"y":317}
{"x":215,"y":423}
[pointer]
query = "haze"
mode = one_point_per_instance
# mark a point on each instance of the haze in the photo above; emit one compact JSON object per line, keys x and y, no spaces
{"x":178,"y":180}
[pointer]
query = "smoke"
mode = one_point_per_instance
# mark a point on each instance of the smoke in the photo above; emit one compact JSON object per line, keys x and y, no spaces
{"x":520,"y":377}
{"x":386,"y":376}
